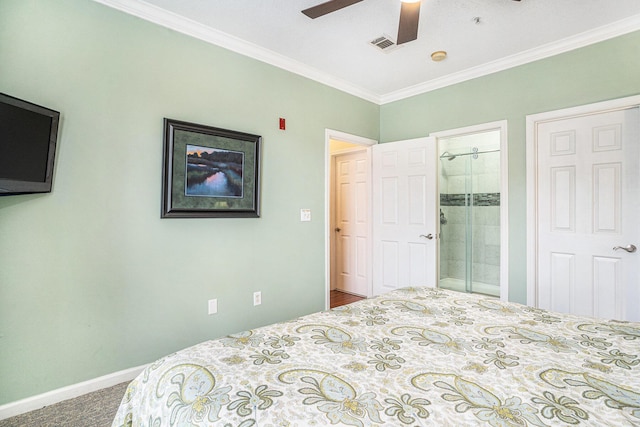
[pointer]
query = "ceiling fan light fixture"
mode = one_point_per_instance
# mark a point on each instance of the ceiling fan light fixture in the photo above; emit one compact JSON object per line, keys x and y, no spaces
{"x":438,"y":56}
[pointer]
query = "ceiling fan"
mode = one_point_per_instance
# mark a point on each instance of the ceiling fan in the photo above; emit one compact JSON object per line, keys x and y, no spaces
{"x":409,"y":16}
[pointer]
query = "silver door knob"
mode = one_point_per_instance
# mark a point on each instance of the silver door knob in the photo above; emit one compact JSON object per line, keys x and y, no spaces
{"x":428,"y":236}
{"x":628,"y":248}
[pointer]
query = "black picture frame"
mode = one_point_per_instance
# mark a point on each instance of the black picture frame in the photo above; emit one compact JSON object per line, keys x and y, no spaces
{"x":209,"y":172}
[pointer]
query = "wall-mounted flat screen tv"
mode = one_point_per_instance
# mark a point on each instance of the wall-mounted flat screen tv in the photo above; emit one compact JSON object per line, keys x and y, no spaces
{"x":28,"y":134}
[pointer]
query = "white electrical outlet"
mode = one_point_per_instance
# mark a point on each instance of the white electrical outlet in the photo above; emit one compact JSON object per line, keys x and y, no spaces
{"x":305,"y":215}
{"x":213,"y":306}
{"x":257,"y":298}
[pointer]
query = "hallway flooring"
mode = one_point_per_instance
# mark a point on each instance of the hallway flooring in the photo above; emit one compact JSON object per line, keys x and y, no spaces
{"x":339,"y":298}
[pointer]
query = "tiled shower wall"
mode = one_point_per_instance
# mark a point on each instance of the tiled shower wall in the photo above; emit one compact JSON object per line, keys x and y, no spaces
{"x":461,"y":179}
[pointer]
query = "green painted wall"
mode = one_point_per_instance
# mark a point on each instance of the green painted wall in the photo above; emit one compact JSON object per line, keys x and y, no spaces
{"x":603,"y":71}
{"x":92,"y":281}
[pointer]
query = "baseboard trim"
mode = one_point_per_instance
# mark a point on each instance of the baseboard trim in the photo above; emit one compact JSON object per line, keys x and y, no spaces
{"x":69,"y":392}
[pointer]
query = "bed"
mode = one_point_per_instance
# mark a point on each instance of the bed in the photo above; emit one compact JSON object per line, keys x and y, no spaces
{"x":415,"y":357}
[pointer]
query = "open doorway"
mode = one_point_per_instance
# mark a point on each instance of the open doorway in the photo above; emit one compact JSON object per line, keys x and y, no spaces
{"x":347,"y":221}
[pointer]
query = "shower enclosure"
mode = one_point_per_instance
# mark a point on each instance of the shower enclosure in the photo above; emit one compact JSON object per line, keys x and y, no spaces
{"x":470,"y":213}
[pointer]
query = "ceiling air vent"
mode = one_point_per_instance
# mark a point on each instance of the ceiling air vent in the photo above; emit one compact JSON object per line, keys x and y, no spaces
{"x":384,"y":43}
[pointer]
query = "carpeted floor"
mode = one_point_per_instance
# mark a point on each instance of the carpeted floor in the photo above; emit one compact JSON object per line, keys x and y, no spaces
{"x":95,"y":409}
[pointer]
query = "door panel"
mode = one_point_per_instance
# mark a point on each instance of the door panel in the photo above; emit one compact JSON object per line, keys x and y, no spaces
{"x":608,"y":297}
{"x":563,"y":191}
{"x":588,"y":203}
{"x":389,"y":200}
{"x":562,"y":282}
{"x":404,"y":213}
{"x":418,"y":268}
{"x":606,"y":198}
{"x":389,"y":262}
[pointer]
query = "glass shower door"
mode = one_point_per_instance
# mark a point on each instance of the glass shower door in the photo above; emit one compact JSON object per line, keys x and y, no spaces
{"x":470,"y":213}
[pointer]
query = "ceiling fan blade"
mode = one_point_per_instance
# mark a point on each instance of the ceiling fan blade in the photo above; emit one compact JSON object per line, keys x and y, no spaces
{"x":408,"y":27}
{"x":328,"y":7}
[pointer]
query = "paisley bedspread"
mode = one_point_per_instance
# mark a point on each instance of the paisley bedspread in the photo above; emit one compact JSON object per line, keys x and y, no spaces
{"x":415,"y":357}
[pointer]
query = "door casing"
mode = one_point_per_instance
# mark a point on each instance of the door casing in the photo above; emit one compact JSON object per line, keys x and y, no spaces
{"x":331,"y":134}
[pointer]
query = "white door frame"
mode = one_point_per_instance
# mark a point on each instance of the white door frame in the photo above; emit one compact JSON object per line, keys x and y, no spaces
{"x":330,"y":134}
{"x":504,"y":193}
{"x":532,"y":164}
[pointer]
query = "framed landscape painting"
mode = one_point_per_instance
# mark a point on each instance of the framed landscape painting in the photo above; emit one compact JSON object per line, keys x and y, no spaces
{"x":209,"y":172}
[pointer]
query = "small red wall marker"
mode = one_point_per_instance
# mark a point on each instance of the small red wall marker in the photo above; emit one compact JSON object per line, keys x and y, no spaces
{"x":283,"y":125}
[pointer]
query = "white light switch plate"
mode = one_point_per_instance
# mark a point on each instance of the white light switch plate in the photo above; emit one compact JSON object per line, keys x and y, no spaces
{"x":305,"y":215}
{"x":213,"y":306}
{"x":257,"y":298}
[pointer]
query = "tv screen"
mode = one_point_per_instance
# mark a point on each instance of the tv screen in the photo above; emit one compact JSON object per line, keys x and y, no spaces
{"x":28,"y":134}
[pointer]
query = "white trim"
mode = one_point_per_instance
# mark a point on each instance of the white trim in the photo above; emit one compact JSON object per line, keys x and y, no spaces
{"x":210,"y":35}
{"x":533,"y":121}
{"x":331,"y":134}
{"x":468,"y":130}
{"x":69,"y":392}
{"x":202,"y":32}
{"x":504,"y":192}
{"x":347,"y":151}
{"x":347,"y":137}
{"x":586,"y":38}
{"x":532,"y":208}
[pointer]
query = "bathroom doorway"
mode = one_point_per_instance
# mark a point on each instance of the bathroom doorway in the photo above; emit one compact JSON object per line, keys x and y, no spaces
{"x":472,"y":210}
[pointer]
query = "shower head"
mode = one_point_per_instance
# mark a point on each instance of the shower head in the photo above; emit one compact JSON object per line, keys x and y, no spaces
{"x":448,"y":155}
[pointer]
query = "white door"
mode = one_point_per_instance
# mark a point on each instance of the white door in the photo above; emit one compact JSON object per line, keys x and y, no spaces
{"x":404,"y":214}
{"x":352,"y":190}
{"x":588,"y":203}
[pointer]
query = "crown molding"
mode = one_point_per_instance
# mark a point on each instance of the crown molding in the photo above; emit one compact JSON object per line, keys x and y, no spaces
{"x":586,"y":38}
{"x":197,"y":30}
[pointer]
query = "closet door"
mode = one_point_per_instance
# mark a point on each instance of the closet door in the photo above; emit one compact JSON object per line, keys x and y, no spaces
{"x":588,"y":204}
{"x":404,"y":179}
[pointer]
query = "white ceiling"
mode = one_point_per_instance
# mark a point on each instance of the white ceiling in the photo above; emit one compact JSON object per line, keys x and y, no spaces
{"x":335,"y":49}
